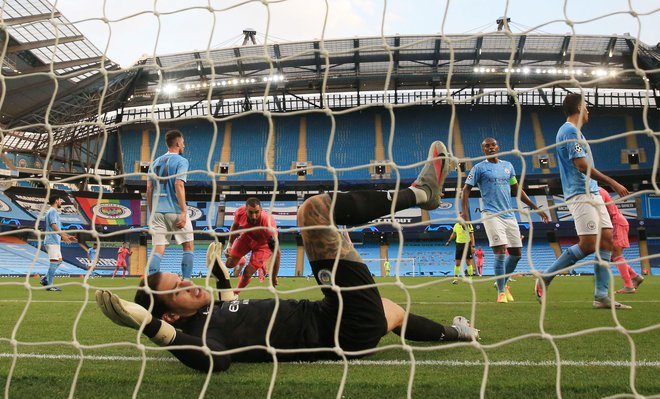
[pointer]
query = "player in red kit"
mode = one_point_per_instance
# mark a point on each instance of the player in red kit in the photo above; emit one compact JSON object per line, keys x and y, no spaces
{"x":631,"y":280}
{"x":479,"y":254}
{"x":121,"y":259}
{"x":259,"y":239}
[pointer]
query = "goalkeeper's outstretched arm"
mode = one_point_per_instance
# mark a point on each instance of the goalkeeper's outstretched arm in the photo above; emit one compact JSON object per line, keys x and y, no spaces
{"x":162,"y":333}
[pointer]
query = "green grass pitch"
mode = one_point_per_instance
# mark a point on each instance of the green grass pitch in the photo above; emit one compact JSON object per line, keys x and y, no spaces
{"x":514,"y":359}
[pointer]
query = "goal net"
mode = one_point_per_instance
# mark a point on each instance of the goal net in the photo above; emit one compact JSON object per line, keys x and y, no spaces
{"x":282,"y":120}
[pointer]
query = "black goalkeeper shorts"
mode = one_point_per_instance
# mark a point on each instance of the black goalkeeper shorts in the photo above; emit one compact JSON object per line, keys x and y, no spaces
{"x":362,"y":318}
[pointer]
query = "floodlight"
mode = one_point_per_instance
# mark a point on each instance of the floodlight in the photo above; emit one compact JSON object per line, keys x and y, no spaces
{"x":170,"y":89}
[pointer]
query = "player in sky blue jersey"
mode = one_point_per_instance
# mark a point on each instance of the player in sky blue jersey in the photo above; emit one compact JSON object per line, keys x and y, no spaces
{"x":496,"y":180}
{"x":91,"y":253}
{"x":166,"y":201}
{"x":53,"y":241}
{"x":578,"y":180}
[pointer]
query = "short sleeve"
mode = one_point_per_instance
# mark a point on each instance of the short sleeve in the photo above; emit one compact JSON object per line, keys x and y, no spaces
{"x":182,"y":170}
{"x":473,"y":176}
{"x":512,"y":175}
{"x":575,"y":149}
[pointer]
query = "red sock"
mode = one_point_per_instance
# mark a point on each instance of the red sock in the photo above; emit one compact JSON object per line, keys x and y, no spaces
{"x":242,"y":283}
{"x":114,"y":273}
{"x":623,"y":268}
{"x":632,"y":272}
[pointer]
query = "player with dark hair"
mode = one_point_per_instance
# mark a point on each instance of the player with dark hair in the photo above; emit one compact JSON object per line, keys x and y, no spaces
{"x":302,"y":330}
{"x":166,"y":202}
{"x":53,"y":241}
{"x":579,"y":183}
{"x":255,"y":231}
{"x":122,"y":252}
{"x":497,"y":181}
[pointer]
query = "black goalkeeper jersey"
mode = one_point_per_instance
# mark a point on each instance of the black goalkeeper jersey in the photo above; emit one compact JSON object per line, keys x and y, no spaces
{"x":244,"y":323}
{"x":241,"y":326}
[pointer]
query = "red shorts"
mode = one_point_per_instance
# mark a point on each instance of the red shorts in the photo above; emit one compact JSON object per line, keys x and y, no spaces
{"x":260,"y":251}
{"x":620,"y":235}
{"x":121,"y":263}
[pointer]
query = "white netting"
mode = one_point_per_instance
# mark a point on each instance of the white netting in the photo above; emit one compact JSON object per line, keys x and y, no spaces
{"x":33,"y":354}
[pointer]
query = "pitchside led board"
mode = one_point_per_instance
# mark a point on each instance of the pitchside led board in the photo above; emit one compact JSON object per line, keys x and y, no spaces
{"x":111,"y":209}
{"x":203,"y":214}
{"x":13,"y":215}
{"x":33,"y":201}
{"x":651,"y":206}
{"x":448,"y":210}
{"x":626,"y":207}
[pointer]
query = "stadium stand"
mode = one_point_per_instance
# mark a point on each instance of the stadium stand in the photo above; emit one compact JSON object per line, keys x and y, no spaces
{"x":286,"y":145}
{"x":355,"y":144}
{"x":20,"y":258}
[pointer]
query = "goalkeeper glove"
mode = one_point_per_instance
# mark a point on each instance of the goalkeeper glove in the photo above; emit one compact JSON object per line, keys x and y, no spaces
{"x":129,"y":314}
{"x":217,"y":267}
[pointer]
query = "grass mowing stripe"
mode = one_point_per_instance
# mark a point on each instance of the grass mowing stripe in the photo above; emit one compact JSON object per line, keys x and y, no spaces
{"x":463,"y":363}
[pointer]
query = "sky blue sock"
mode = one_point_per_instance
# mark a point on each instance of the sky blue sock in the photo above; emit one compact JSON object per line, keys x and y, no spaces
{"x":570,"y":257}
{"x":499,"y":271}
{"x":51,"y":272}
{"x":187,"y":264}
{"x":154,"y":262}
{"x":510,"y":264}
{"x":602,"y":275}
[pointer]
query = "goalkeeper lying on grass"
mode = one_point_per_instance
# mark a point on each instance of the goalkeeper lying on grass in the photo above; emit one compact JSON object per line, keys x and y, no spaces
{"x":238,"y":330}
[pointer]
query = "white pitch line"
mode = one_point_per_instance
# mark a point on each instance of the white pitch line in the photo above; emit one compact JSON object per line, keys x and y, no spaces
{"x":92,"y":357}
{"x":459,"y":363}
{"x":91,"y":300}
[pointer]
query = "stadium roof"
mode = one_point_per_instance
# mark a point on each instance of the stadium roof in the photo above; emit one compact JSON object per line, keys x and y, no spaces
{"x":44,"y":48}
{"x":413,"y":62}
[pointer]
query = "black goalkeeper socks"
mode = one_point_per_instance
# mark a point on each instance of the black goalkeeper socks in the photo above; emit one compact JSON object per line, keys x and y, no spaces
{"x":422,"y":329}
{"x":359,"y":207}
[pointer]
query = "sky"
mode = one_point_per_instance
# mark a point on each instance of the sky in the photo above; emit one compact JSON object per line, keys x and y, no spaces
{"x":128,"y":30}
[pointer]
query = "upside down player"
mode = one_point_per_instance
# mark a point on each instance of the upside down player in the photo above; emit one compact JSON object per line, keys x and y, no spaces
{"x":260,"y":241}
{"x":364,"y":318}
